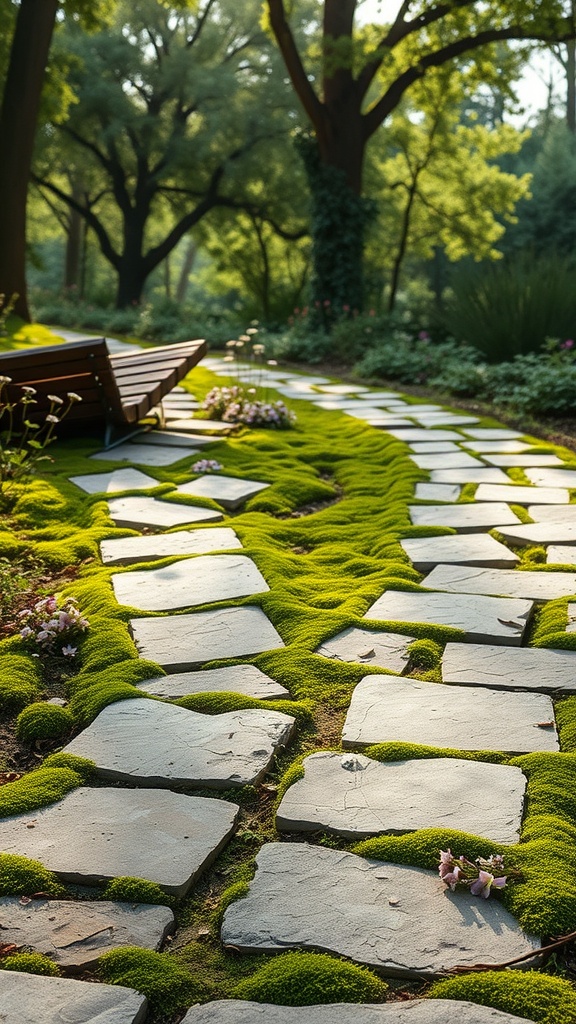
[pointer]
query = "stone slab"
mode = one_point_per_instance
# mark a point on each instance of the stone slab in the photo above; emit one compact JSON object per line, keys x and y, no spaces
{"x":200,"y":580}
{"x":539,"y":533}
{"x":396,"y":709}
{"x":145,"y":454}
{"x":329,"y":404}
{"x":433,"y":447}
{"x":379,"y":396}
{"x":571,"y":624}
{"x":117,"y":480}
{"x":465,"y":518}
{"x":552,"y":513}
{"x":228,"y":491}
{"x":33,"y":999}
{"x":431,"y":419}
{"x":561,"y":554}
{"x":181,"y":642}
{"x":425,"y":407}
{"x":469,"y":549}
{"x":191,"y":425}
{"x":531,"y":585}
{"x":484,"y":475}
{"x":75,"y":934}
{"x":460,"y":460}
{"x":527,"y":668}
{"x":398,"y":920}
{"x":136,"y":513}
{"x":496,"y":447}
{"x":383,"y":422}
{"x":147,"y":742}
{"x":96,"y":834}
{"x":128,"y":550}
{"x":483,"y":619}
{"x":353,"y":796}
{"x":384,"y":650}
{"x":171,"y":438}
{"x":342,"y":389}
{"x":523,"y":460}
{"x":493,"y":433}
{"x":370,"y":413}
{"x":519,"y":495}
{"x":421,"y":434}
{"x":552,"y":477}
{"x":437,"y":492}
{"x":415,"y":1011}
{"x":245,"y":679}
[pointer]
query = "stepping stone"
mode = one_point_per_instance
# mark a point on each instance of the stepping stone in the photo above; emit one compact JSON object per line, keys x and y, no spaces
{"x":552,"y":477}
{"x":199,"y":580}
{"x":306,"y":378}
{"x":342,"y":389}
{"x":228,"y":491}
{"x":523,"y":460}
{"x":33,"y":999}
{"x":553,"y":513}
{"x":381,"y":396}
{"x":75,"y":934}
{"x":425,"y":408}
{"x":370,"y":413}
{"x":466,"y":518}
{"x":420,"y":434}
{"x":519,"y":495}
{"x":145,"y":454}
{"x":383,"y":422}
{"x":539,"y":533}
{"x":433,"y":447}
{"x":149,"y":743}
{"x":493,"y":434}
{"x":440,"y":420}
{"x":355,"y":797}
{"x":534,"y":586}
{"x":484,"y":475}
{"x":245,"y":679}
{"x":96,"y":834}
{"x":559,"y":555}
{"x":437,"y":492}
{"x":395,"y":709}
{"x":384,"y":650}
{"x":390,"y":917}
{"x":127,"y":550}
{"x":472,"y":549}
{"x":181,"y":642}
{"x":460,"y":460}
{"x":169,"y":438}
{"x":296,"y":394}
{"x":117,"y":480}
{"x":192,"y":425}
{"x":483,"y":619}
{"x":136,"y":513}
{"x":498,"y":447}
{"x":330,"y":404}
{"x":425,"y":1011}
{"x":571,"y":626}
{"x":525,"y":668}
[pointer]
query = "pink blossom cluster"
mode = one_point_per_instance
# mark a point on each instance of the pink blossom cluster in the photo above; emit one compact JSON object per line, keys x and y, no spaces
{"x":237,"y":405}
{"x":206,"y":466}
{"x":480,"y":876}
{"x":47,"y":625}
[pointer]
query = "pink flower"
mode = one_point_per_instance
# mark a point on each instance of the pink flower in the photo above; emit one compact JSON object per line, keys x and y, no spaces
{"x":568,"y":344}
{"x":453,"y":877}
{"x":484,"y":882}
{"x":446,"y":859}
{"x":69,"y":651}
{"x":423,"y":336}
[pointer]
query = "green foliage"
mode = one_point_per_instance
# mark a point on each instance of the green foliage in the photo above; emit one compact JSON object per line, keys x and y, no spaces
{"x":424,"y":654}
{"x":80,"y":765}
{"x":20,"y":682}
{"x":43,"y":786}
{"x":168,"y":986}
{"x":525,"y":994}
{"x":24,"y":433}
{"x":137,"y":890}
{"x":43,"y":721}
{"x":410,"y":362}
{"x":20,"y":876}
{"x":308,"y":979}
{"x":30,"y":963}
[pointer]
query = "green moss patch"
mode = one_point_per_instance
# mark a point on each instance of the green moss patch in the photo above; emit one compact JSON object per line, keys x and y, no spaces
{"x":30,"y":963}
{"x":43,"y":786}
{"x":528,"y":995}
{"x":44,"y":721}
{"x":137,"y":890}
{"x":20,"y":876}
{"x":307,"y":979}
{"x":168,"y":986}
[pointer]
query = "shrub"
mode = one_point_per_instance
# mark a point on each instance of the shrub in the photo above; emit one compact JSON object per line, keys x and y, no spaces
{"x":30,"y":963}
{"x":528,"y":995}
{"x":20,"y":876}
{"x":411,"y":362}
{"x":137,"y":890}
{"x":168,"y":985}
{"x":307,"y":979}
{"x":43,"y":721}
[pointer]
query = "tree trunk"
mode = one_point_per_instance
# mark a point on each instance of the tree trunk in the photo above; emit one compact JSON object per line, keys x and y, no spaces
{"x":73,"y":243}
{"x":18,"y":119}
{"x":132,"y":272}
{"x":571,"y":85}
{"x":186,"y":270}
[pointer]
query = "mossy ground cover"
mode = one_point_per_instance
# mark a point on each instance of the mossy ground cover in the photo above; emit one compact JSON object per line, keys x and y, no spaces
{"x":326,"y":536}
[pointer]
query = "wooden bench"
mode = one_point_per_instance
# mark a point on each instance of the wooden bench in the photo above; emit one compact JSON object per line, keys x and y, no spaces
{"x":117,"y":391}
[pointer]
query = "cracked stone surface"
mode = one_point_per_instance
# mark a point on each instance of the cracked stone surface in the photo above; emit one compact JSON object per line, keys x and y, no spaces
{"x":150,"y":743}
{"x":400,"y":920}
{"x":540,"y":533}
{"x":483,"y":619}
{"x":437,"y":492}
{"x":552,"y":513}
{"x":384,"y":650}
{"x":94,"y":835}
{"x":421,"y":1011}
{"x":145,"y":454}
{"x":523,"y":460}
{"x":117,"y":480}
{"x":561,"y":554}
{"x":465,"y":518}
{"x":461,"y":460}
{"x":246,"y":679}
{"x":485,"y":475}
{"x":352,"y":796}
{"x":181,"y":642}
{"x":470,"y":549}
{"x":527,"y":668}
{"x":519,"y":495}
{"x":75,"y":934}
{"x":228,"y":491}
{"x":531,"y":585}
{"x":492,"y":433}
{"x":33,"y":999}
{"x":171,"y":438}
{"x":420,"y":434}
{"x":552,"y":477}
{"x":199,"y":580}
{"x":389,"y":709}
{"x":127,"y":550}
{"x":136,"y":513}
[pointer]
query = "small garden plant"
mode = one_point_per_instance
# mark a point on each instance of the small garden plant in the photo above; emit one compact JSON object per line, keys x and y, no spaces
{"x":238,"y":404}
{"x":22,"y":441}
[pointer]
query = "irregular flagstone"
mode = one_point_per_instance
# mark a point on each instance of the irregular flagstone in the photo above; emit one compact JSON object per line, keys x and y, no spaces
{"x":484,"y":475}
{"x":145,"y":454}
{"x":196,"y":425}
{"x":75,"y":934}
{"x":414,"y":1011}
{"x":433,"y":447}
{"x":94,"y":835}
{"x":552,"y":477}
{"x":342,"y":389}
{"x":355,"y":797}
{"x":331,"y":404}
{"x":440,"y":420}
{"x":181,"y":642}
{"x":228,"y":491}
{"x":150,"y":743}
{"x":520,"y":495}
{"x":498,"y":447}
{"x":531,"y":585}
{"x":199,"y":580}
{"x":141,"y":512}
{"x":371,"y":413}
{"x":437,"y":492}
{"x":525,"y":668}
{"x":127,"y":550}
{"x":424,"y":408}
{"x":245,"y":679}
{"x":483,"y":619}
{"x":171,"y":438}
{"x":561,"y":555}
{"x":523,"y":460}
{"x":471,"y":549}
{"x":384,"y":650}
{"x":539,"y":533}
{"x":378,"y":396}
{"x":383,"y":422}
{"x":399,"y":920}
{"x":421,"y":434}
{"x":396,"y":709}
{"x":492,"y":433}
{"x":457,"y":461}
{"x":552,"y":513}
{"x":33,"y":999}
{"x":117,"y":480}
{"x":465,"y":518}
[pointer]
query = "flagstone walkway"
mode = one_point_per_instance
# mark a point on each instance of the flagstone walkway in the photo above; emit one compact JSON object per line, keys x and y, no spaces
{"x":496,"y":695}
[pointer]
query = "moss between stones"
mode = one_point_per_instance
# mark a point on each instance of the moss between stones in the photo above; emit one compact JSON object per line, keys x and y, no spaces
{"x":20,"y":876}
{"x":36,"y":789}
{"x":219,"y":703}
{"x":30,"y":963}
{"x":43,"y":721}
{"x":528,"y":995}
{"x":425,"y":654}
{"x":137,"y":890}
{"x":168,"y":985}
{"x":307,"y":979}
{"x":20,"y":683}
